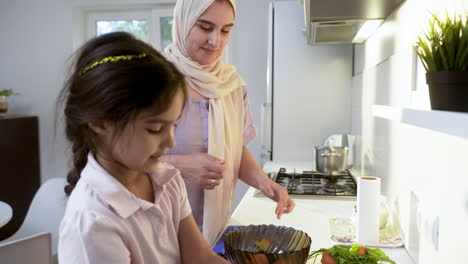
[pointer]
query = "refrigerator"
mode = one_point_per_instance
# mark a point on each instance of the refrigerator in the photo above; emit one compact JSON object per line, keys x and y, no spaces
{"x":308,"y":88}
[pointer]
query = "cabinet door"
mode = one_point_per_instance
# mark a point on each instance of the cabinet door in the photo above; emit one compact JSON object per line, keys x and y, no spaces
{"x":19,"y":167}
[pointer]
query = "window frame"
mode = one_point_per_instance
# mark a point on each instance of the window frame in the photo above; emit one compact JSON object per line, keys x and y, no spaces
{"x":157,"y":14}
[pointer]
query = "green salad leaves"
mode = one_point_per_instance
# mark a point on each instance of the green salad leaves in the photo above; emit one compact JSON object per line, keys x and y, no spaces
{"x":349,"y":255}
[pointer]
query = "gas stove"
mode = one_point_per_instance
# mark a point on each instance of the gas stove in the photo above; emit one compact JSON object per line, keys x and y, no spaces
{"x":340,"y":185}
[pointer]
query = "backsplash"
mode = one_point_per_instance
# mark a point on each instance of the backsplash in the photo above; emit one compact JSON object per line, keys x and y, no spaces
{"x":411,"y":161}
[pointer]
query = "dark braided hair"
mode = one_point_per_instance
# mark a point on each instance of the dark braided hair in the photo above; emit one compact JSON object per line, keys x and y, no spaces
{"x":114,"y":92}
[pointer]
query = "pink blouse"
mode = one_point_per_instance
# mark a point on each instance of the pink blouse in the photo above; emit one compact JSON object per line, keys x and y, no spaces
{"x":191,"y":135}
{"x":105,"y":223}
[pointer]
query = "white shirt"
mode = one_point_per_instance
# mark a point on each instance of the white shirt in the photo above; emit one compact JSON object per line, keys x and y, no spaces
{"x":105,"y":223}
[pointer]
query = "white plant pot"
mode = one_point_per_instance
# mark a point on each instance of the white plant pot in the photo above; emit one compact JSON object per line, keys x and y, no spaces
{"x":3,"y":104}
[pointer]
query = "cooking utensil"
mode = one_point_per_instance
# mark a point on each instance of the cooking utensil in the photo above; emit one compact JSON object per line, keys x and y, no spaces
{"x":343,"y":140}
{"x":330,"y":159}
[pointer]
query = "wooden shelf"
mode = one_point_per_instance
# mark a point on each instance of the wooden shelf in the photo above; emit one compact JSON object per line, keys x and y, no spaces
{"x":20,"y":165}
{"x":451,"y":123}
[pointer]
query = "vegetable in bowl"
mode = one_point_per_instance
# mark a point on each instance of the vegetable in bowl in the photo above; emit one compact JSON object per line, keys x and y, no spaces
{"x":341,"y":254}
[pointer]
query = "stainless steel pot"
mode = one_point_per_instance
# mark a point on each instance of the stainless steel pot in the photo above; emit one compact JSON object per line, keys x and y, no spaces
{"x":330,"y":159}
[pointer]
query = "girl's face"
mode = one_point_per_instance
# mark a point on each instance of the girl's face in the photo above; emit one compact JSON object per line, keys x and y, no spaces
{"x":211,"y":32}
{"x":140,"y":145}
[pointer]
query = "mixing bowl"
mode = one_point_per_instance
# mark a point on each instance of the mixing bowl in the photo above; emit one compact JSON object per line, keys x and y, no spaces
{"x":266,"y":244}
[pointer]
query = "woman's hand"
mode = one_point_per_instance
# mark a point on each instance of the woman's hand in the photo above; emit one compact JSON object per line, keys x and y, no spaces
{"x":201,"y":169}
{"x":278,"y":194}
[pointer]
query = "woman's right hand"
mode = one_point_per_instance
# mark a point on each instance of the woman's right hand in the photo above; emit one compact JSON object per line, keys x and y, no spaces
{"x":201,"y":169}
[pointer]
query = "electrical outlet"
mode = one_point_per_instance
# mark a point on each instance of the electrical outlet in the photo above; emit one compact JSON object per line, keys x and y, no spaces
{"x":466,"y":204}
{"x":428,"y":225}
{"x":433,"y":230}
{"x":413,"y":238}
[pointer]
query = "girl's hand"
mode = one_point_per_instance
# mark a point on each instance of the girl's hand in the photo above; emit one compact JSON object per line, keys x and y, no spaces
{"x":202,"y":169}
{"x":278,"y":194}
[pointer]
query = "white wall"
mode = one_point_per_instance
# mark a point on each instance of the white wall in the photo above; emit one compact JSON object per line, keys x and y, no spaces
{"x":35,"y":42}
{"x":408,"y":158}
{"x":312,"y":88}
{"x":38,"y":37}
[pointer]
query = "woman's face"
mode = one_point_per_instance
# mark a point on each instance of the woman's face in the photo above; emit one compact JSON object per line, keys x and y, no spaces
{"x":211,"y":32}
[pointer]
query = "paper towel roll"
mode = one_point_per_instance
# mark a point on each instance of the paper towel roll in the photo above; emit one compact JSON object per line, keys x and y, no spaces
{"x":368,"y":195}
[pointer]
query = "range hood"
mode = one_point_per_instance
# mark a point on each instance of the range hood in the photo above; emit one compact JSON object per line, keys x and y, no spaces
{"x":344,"y":21}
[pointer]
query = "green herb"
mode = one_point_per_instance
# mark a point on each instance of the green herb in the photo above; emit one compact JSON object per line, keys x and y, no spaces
{"x":349,"y":255}
{"x":6,"y":92}
{"x":445,"y":45}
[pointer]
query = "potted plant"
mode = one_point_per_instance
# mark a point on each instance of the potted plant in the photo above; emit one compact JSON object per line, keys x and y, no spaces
{"x":4,"y":94}
{"x":444,"y":53}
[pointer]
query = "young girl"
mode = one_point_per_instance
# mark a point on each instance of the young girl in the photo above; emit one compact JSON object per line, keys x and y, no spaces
{"x":125,"y":206}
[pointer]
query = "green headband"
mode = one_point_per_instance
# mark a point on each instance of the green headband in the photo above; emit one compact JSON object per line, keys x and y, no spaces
{"x":112,"y":59}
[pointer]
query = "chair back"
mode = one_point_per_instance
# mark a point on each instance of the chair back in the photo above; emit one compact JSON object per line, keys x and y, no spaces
{"x":46,"y":212}
{"x":35,"y":249}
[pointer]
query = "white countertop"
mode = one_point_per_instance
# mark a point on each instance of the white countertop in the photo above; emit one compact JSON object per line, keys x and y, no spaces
{"x":5,"y":213}
{"x":309,"y":215}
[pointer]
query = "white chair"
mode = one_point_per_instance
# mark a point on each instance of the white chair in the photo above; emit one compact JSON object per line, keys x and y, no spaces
{"x":45,"y":213}
{"x":35,"y":249}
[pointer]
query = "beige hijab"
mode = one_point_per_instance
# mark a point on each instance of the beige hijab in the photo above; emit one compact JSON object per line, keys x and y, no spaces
{"x":222,"y":84}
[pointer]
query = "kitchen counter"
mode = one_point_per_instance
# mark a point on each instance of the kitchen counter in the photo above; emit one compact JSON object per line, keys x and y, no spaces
{"x":309,"y":215}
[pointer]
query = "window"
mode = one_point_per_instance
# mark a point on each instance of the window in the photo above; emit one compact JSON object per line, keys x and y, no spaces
{"x":163,"y":26}
{"x":139,"y":28}
{"x":150,"y":24}
{"x":153,"y":25}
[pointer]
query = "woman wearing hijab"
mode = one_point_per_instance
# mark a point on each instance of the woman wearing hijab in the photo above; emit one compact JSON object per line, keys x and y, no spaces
{"x":216,"y":124}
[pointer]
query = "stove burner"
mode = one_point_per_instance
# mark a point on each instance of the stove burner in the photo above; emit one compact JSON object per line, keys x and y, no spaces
{"x":332,"y":187}
{"x":340,"y":185}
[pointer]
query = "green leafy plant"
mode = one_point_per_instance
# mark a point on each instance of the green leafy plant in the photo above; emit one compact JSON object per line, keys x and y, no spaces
{"x":352,"y":255}
{"x":6,"y":92}
{"x":445,"y":45}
